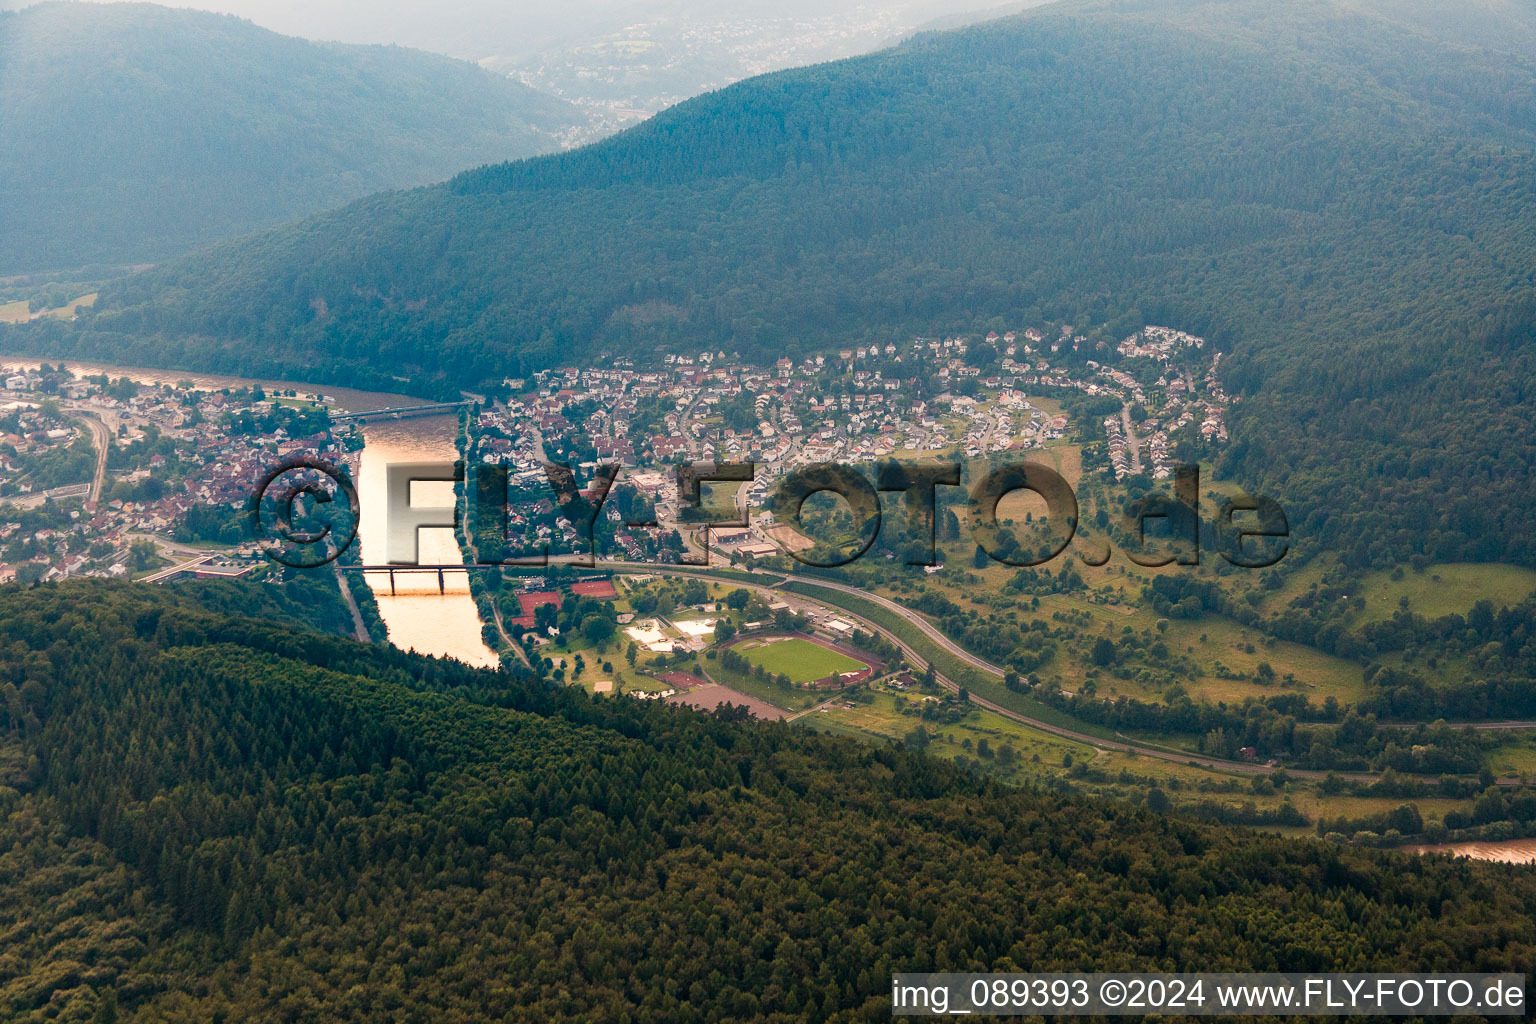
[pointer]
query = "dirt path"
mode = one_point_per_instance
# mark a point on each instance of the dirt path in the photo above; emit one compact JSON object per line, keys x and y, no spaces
{"x":358,"y":625}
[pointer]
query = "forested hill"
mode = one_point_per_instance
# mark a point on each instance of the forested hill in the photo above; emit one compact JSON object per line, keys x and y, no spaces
{"x":205,"y":817}
{"x":132,"y":132}
{"x":1330,"y":188}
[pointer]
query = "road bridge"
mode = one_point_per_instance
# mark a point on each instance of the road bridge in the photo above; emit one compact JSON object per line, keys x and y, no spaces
{"x":403,"y":412}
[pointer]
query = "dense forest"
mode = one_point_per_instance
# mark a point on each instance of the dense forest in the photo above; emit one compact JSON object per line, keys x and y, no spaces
{"x":208,"y":816}
{"x":135,"y":132}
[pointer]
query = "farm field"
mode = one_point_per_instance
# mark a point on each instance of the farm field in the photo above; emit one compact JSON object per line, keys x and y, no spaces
{"x":1216,"y":638}
{"x":1042,"y":759}
{"x":15,"y":312}
{"x":1066,"y":459}
{"x":1516,"y":756}
{"x":801,"y":660}
{"x":72,"y":308}
{"x":1039,"y":756}
{"x":1209,"y":639}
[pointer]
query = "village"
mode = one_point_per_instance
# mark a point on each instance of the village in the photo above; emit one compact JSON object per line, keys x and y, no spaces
{"x":969,"y":399}
{"x":154,"y":474}
{"x":102,"y":477}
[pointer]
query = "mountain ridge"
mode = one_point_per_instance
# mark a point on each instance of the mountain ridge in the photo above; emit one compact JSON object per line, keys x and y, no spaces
{"x":136,"y":132}
{"x":1311,"y":184}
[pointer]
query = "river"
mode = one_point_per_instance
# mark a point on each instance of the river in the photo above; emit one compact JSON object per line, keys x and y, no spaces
{"x":1512,"y":851}
{"x":418,"y":616}
{"x":342,"y":399}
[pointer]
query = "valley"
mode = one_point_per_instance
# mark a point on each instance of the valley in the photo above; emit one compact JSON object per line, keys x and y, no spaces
{"x":1106,"y":669}
{"x":703,"y":518}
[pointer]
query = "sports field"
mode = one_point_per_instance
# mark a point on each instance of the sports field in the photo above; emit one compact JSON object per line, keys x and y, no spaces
{"x":800,"y":660}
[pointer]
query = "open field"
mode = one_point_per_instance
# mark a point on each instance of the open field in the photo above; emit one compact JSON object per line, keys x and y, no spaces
{"x":789,"y":538}
{"x":1038,"y":755}
{"x":69,"y":310}
{"x":719,"y":500}
{"x":1446,"y":589}
{"x":1066,"y":458}
{"x":1514,"y":757}
{"x":1296,"y":583}
{"x":1441,"y":589}
{"x":1311,"y":803}
{"x":15,"y":312}
{"x":629,"y":681}
{"x":801,"y":660}
{"x":1319,"y":675}
{"x":1043,"y":758}
{"x":1207,"y":640}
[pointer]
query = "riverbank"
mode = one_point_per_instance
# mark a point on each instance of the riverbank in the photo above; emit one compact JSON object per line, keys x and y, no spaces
{"x":1512,"y":851}
{"x":340,"y":399}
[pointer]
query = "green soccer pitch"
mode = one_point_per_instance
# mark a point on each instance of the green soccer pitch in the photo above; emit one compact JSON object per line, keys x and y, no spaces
{"x":801,"y":660}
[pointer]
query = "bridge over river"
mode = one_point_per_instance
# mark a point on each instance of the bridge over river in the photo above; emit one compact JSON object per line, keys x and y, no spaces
{"x":403,"y":412}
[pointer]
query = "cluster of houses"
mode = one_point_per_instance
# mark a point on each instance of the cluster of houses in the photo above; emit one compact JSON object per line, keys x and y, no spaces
{"x":26,"y":430}
{"x":201,"y":448}
{"x":859,"y":404}
{"x":925,"y":396}
{"x":1183,"y":400}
